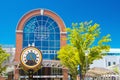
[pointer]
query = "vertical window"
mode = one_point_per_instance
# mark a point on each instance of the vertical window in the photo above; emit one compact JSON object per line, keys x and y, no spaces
{"x":44,"y":32}
{"x":109,"y":63}
{"x":114,"y":63}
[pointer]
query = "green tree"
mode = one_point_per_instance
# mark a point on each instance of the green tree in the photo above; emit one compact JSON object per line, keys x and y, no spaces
{"x":83,"y":37}
{"x":3,"y":57}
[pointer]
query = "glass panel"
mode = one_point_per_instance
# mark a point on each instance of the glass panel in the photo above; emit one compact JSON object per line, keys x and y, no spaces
{"x":45,"y":56}
{"x":36,"y":24}
{"x":28,"y":23}
{"x":26,"y":29}
{"x":31,"y":36}
{"x":52,"y":56}
{"x":109,"y":63}
{"x":57,"y":43}
{"x":30,"y":42}
{"x":25,"y":44}
{"x":39,"y":47}
{"x":40,"y":22}
{"x":25,"y":36}
{"x":44,"y":48}
{"x":51,"y":37}
{"x":45,"y":18}
{"x":114,"y":63}
{"x":39,"y":17}
{"x":47,"y":24}
{"x":57,"y":48}
{"x":50,"y":21}
{"x":51,"y":29}
{"x":57,"y":30}
{"x":52,"y":44}
{"x":44,"y":23}
{"x":55,"y":24}
{"x":33,"y":20}
{"x":32,"y":27}
{"x":37,"y":43}
{"x":51,"y":48}
{"x":57,"y":36}
{"x":56,"y":58}
{"x":45,"y":43}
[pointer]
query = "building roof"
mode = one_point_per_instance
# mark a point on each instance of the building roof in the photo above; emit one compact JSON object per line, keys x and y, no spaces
{"x":114,"y":50}
{"x":97,"y":71}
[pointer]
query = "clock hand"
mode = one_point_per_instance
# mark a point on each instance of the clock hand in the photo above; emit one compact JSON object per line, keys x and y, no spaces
{"x":31,"y":57}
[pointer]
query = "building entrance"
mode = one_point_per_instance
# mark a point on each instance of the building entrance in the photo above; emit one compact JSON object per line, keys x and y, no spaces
{"x":45,"y":73}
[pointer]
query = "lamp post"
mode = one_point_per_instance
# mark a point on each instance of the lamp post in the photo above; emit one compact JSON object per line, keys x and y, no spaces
{"x":78,"y":68}
{"x":86,"y":58}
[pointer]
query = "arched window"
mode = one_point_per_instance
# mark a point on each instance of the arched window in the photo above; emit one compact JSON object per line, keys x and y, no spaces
{"x":44,"y":33}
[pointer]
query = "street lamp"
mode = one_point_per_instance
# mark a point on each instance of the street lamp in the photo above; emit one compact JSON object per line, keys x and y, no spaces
{"x":86,"y":58}
{"x":78,"y":68}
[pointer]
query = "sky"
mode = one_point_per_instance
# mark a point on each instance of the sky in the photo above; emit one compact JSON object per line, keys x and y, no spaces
{"x":104,"y":12}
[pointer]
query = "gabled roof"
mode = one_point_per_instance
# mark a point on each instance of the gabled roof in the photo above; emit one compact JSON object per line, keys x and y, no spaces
{"x":97,"y":71}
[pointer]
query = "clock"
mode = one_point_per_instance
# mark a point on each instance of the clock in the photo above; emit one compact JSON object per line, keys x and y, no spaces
{"x":31,"y":58}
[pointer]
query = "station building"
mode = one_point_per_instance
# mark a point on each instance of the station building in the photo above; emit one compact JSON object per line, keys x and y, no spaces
{"x":45,"y":30}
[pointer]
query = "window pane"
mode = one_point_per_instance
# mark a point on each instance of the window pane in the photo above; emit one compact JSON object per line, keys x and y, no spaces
{"x":57,"y":30}
{"x":57,"y":36}
{"x":37,"y":43}
{"x":109,"y":63}
{"x":45,"y":18}
{"x":39,"y":17}
{"x":31,"y":36}
{"x":40,"y":23}
{"x":30,"y":42}
{"x":51,"y":43}
{"x":25,"y":44}
{"x":57,"y":43}
{"x":50,"y":20}
{"x":51,"y":56}
{"x":44,"y":23}
{"x":114,"y":63}
{"x":55,"y":25}
{"x":25,"y":36}
{"x":51,"y":37}
{"x":45,"y":56}
{"x":44,"y":48}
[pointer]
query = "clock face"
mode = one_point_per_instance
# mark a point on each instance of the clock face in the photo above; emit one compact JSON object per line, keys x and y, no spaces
{"x":31,"y":57}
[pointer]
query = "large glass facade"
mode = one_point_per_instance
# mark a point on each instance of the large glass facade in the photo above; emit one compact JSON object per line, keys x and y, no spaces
{"x":44,"y":33}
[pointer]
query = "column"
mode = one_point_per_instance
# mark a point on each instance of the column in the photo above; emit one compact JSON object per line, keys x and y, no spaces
{"x":16,"y":73}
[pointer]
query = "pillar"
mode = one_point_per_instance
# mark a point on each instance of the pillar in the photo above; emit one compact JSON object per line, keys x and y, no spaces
{"x":16,"y":73}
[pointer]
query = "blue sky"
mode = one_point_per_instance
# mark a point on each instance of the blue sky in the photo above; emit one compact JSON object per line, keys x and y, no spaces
{"x":104,"y":12}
